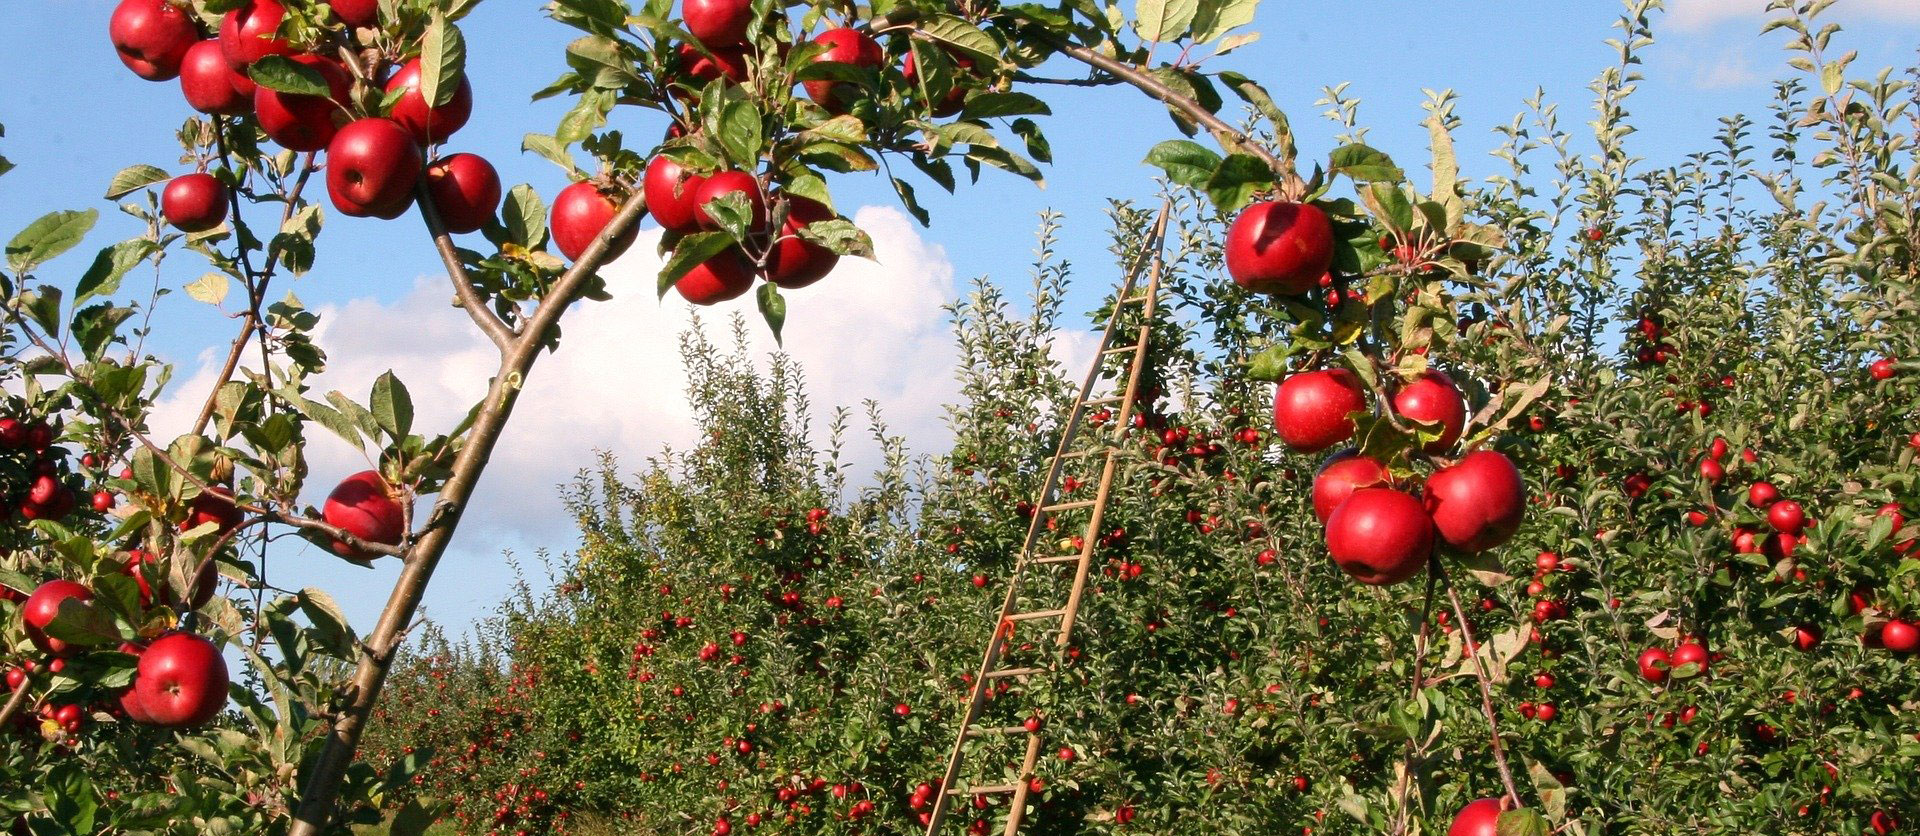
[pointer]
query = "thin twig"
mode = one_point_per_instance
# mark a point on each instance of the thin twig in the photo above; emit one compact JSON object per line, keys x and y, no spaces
{"x":470,"y":300}
{"x":1486,"y":693}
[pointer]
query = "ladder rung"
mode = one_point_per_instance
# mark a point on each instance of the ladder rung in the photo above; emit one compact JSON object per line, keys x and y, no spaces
{"x":1065,"y":558}
{"x":1124,"y":348}
{"x":1036,"y":615}
{"x":1107,"y":399}
{"x":1079,"y":454}
{"x":1068,"y":506}
{"x":1136,"y":299}
{"x":978,"y":731}
{"x":985,"y":789}
{"x":1009,"y":673}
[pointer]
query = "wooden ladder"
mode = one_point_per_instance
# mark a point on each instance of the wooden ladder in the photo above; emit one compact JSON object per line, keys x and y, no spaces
{"x":1102,"y":445}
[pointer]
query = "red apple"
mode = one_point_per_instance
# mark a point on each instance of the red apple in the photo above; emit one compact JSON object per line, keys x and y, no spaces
{"x":152,"y":37}
{"x":365,"y":506}
{"x":795,"y":262}
{"x":304,"y":123}
{"x":1342,"y":474}
{"x":1718,"y":449}
{"x":1806,"y":637}
{"x":718,"y":22}
{"x":1883,"y":368}
{"x":1691,"y":653}
{"x":1432,"y":398}
{"x":1279,"y":248}
{"x":579,"y":212}
{"x":1380,"y":536}
{"x":1761,"y":494}
{"x":427,"y":124}
{"x":372,"y":166}
{"x":356,"y":14}
{"x":466,"y":191}
{"x":251,"y":32}
{"x":1786,"y":517}
{"x":1479,"y":818}
{"x":129,"y":698}
{"x":1900,"y":636}
{"x":1654,"y":664}
{"x":670,"y":194}
{"x":1477,"y":503}
{"x":1711,"y":470}
{"x":43,"y":605}
{"x":181,"y":681}
{"x":956,"y":98}
{"x":844,"y":46}
{"x":213,"y":505}
{"x":194,"y":202}
{"x":210,"y":84}
{"x":204,"y":580}
{"x":729,"y":62}
{"x":1310,"y":409}
{"x":718,"y":279}
{"x":725,"y":182}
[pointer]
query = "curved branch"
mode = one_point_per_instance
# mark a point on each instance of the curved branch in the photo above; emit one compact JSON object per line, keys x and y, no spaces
{"x":470,"y":300}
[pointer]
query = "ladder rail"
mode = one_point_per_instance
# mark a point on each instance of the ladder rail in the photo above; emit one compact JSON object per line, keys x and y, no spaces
{"x":1048,"y":493}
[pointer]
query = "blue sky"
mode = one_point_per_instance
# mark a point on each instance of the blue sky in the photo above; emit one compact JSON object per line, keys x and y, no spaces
{"x":74,"y":116}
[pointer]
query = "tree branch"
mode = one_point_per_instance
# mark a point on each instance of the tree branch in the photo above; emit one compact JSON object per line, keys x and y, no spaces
{"x":1486,"y":693}
{"x":470,"y":300}
{"x":319,"y":798}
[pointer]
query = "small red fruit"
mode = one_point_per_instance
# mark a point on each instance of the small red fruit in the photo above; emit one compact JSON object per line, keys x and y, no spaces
{"x":1479,"y":818}
{"x":669,"y":189}
{"x":365,"y":506}
{"x":466,"y":191}
{"x":250,"y":33}
{"x":580,"y":212}
{"x":795,"y":262}
{"x":1477,"y":504}
{"x":41,"y":608}
{"x":1432,"y":398}
{"x":194,"y":202}
{"x":1380,"y":536}
{"x":428,"y":124}
{"x":1279,"y":248}
{"x":299,"y":122}
{"x":1654,"y":664}
{"x":1786,"y":517}
{"x":718,"y":22}
{"x":152,"y":37}
{"x":725,"y":276}
{"x":372,"y":167}
{"x":1342,"y":474}
{"x":210,"y":84}
{"x":844,"y":46}
{"x":1310,"y":409}
{"x":1761,"y":494}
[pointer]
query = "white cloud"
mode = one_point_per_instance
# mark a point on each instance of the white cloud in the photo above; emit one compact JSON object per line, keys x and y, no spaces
{"x":873,"y":329}
{"x":1730,"y":69}
{"x":1693,"y":15}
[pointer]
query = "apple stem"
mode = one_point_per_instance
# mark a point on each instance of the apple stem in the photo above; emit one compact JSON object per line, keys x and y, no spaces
{"x":18,"y":699}
{"x":1480,"y":676}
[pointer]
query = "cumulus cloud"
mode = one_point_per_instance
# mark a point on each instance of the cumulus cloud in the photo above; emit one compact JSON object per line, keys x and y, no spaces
{"x":1730,"y":69}
{"x":872,"y":330}
{"x":1693,"y":15}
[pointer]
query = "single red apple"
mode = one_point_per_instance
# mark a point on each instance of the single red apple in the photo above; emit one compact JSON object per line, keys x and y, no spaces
{"x":1380,"y":536}
{"x":194,"y":202}
{"x":466,"y":191}
{"x":729,"y":62}
{"x":955,"y":99}
{"x":357,"y":14}
{"x":718,"y":22}
{"x":1711,"y":470}
{"x":1691,"y":653}
{"x":579,"y":212}
{"x":794,"y":262}
{"x":1310,"y":409}
{"x":210,"y":84}
{"x":1654,"y":664}
{"x":181,"y":681}
{"x":365,"y":506}
{"x":213,"y":505}
{"x":1279,"y":248}
{"x":1761,"y":494}
{"x":1342,"y":474}
{"x":251,"y":32}
{"x":726,"y":182}
{"x":1432,"y":398}
{"x":152,"y":37}
{"x":1477,"y":503}
{"x":129,"y":699}
{"x":1900,"y":636}
{"x":427,"y":124}
{"x":372,"y":166}
{"x":299,"y":122}
{"x":43,"y":605}
{"x":844,"y":46}
{"x":1806,"y":637}
{"x":1786,"y":516}
{"x":670,"y":194}
{"x":1479,"y":818}
{"x":718,"y":279}
{"x":1883,"y":368}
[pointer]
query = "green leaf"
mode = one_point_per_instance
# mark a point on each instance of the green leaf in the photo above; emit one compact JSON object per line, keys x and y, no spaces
{"x":43,"y":305}
{"x":1522,"y":823}
{"x":112,"y":263}
{"x":905,"y":191}
{"x":210,"y":288}
{"x":414,"y":819}
{"x":689,"y":253}
{"x":443,"y":59}
{"x":1271,"y":363}
{"x":392,"y":407}
{"x":524,"y":215}
{"x":95,"y":326}
{"x":996,"y":105}
{"x":362,"y":418}
{"x":328,"y":621}
{"x":1217,"y":17}
{"x":328,"y":417}
{"x":1235,"y":182}
{"x":1364,"y":164}
{"x":280,"y":73}
{"x":737,"y":126}
{"x":1389,"y":205}
{"x":1161,"y":21}
{"x":773,"y":307}
{"x":49,"y":236}
{"x":134,"y":178}
{"x":553,"y":151}
{"x":81,"y":622}
{"x":1252,"y":93}
{"x":1186,"y":162}
{"x":840,"y":236}
{"x":965,"y":37}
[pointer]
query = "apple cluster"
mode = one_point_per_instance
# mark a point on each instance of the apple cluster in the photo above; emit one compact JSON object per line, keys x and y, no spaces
{"x":32,"y":484}
{"x":376,"y":156}
{"x":1378,"y":530}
